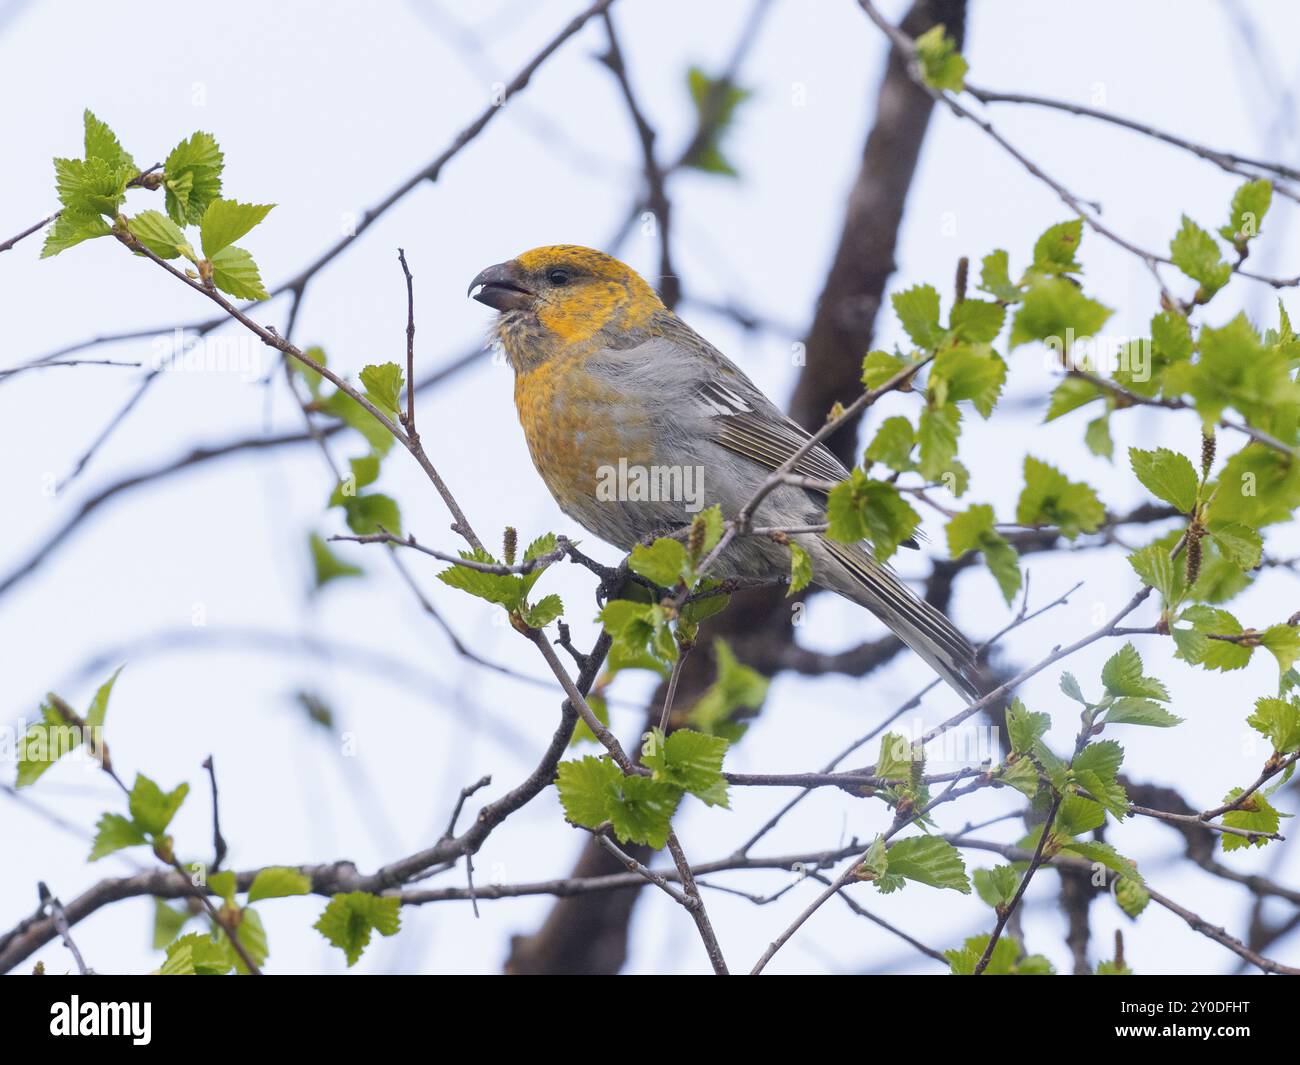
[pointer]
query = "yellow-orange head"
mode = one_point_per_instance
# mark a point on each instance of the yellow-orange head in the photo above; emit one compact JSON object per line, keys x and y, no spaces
{"x":564,"y":298}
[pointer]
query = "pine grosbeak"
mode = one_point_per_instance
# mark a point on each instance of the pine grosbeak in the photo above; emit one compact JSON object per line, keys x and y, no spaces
{"x":618,"y":398}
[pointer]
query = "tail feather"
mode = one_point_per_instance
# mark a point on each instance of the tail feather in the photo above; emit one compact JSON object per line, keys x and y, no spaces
{"x":919,"y":625}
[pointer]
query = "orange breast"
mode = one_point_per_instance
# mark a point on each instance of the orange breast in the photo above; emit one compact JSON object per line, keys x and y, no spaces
{"x":575,"y":424}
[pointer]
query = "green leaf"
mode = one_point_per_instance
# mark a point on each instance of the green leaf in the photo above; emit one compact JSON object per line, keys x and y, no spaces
{"x":502,"y":588}
{"x":544,"y":611}
{"x":1249,"y":205}
{"x":277,"y":883}
{"x":1070,"y":686}
{"x":691,"y":761}
{"x":663,"y":562}
{"x":1006,"y":959}
{"x":326,"y":565}
{"x":1237,"y":370}
{"x":383,"y":385}
{"x":112,"y":833}
{"x":875,"y":864}
{"x":643,"y":809}
{"x":1122,"y":675}
{"x":1279,"y":720}
{"x":879,"y":367}
{"x":102,"y":143}
{"x":937,"y":435}
{"x":1055,"y":309}
{"x":995,"y":279}
{"x":965,"y":530}
{"x":710,"y":522}
{"x":1132,"y":896}
{"x":997,"y":886}
{"x":1197,"y":255}
{"x":223,"y":884}
{"x":1258,"y":486}
{"x":99,"y":704}
{"x":929,"y":860}
{"x":716,"y":101}
{"x":45,"y":742}
{"x":159,"y":234}
{"x":1195,"y":646}
{"x":860,"y":508}
{"x":1024,"y":729}
{"x":1255,"y":815}
{"x":1095,"y":768}
{"x":252,"y":937}
{"x":977,"y":321}
{"x":1021,"y":775}
{"x":737,"y":687}
{"x":192,"y":178}
{"x":894,"y":762}
{"x":918,"y":312}
{"x":365,"y":514}
{"x":91,"y":185}
{"x":152,"y":809}
{"x":71,"y":228}
{"x":1070,"y":394}
{"x":349,"y":919}
{"x":1075,"y":816}
{"x":1106,"y":855}
{"x":973,"y":530}
{"x":1171,"y":335}
{"x":1097,"y":437}
{"x":1167,"y":475}
{"x":353,"y":414}
{"x":1054,"y":250}
{"x":699,"y":609}
{"x":892,"y":445}
{"x":1283,"y":641}
{"x":1153,"y":564}
{"x":1240,"y":544}
{"x":587,"y":788}
{"x":1130,"y":711}
{"x":801,"y":571}
{"x":198,"y":955}
{"x":639,"y":629}
{"x":225,"y":221}
{"x":1050,"y":498}
{"x":968,"y":372}
{"x":942,"y":64}
{"x":1053,"y":768}
{"x":235,"y":273}
{"x":167,"y":922}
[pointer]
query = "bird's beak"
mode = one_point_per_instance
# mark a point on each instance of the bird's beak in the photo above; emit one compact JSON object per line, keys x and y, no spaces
{"x":502,"y":287}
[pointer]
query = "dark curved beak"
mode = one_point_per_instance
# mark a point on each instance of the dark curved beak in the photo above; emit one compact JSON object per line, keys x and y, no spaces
{"x":502,"y":286}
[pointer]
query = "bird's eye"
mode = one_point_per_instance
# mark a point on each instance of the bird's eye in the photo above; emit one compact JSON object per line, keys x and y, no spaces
{"x":558,"y":277}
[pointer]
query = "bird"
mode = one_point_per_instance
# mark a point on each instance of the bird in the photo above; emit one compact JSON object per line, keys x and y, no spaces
{"x":612,"y":389}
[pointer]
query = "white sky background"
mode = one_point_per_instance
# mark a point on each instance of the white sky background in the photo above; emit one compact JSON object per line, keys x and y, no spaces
{"x":322,"y":109}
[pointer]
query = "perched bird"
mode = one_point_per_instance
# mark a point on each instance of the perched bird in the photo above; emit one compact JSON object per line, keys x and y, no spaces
{"x":636,"y":422}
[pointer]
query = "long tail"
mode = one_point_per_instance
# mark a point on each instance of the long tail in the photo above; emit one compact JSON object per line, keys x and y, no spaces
{"x":925,"y":630}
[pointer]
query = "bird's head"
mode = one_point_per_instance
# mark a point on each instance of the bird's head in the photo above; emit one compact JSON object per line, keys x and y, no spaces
{"x":564,"y":297}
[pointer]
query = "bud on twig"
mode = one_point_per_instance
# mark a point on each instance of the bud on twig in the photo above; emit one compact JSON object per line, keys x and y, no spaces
{"x":1193,"y":555}
{"x":695,"y":544}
